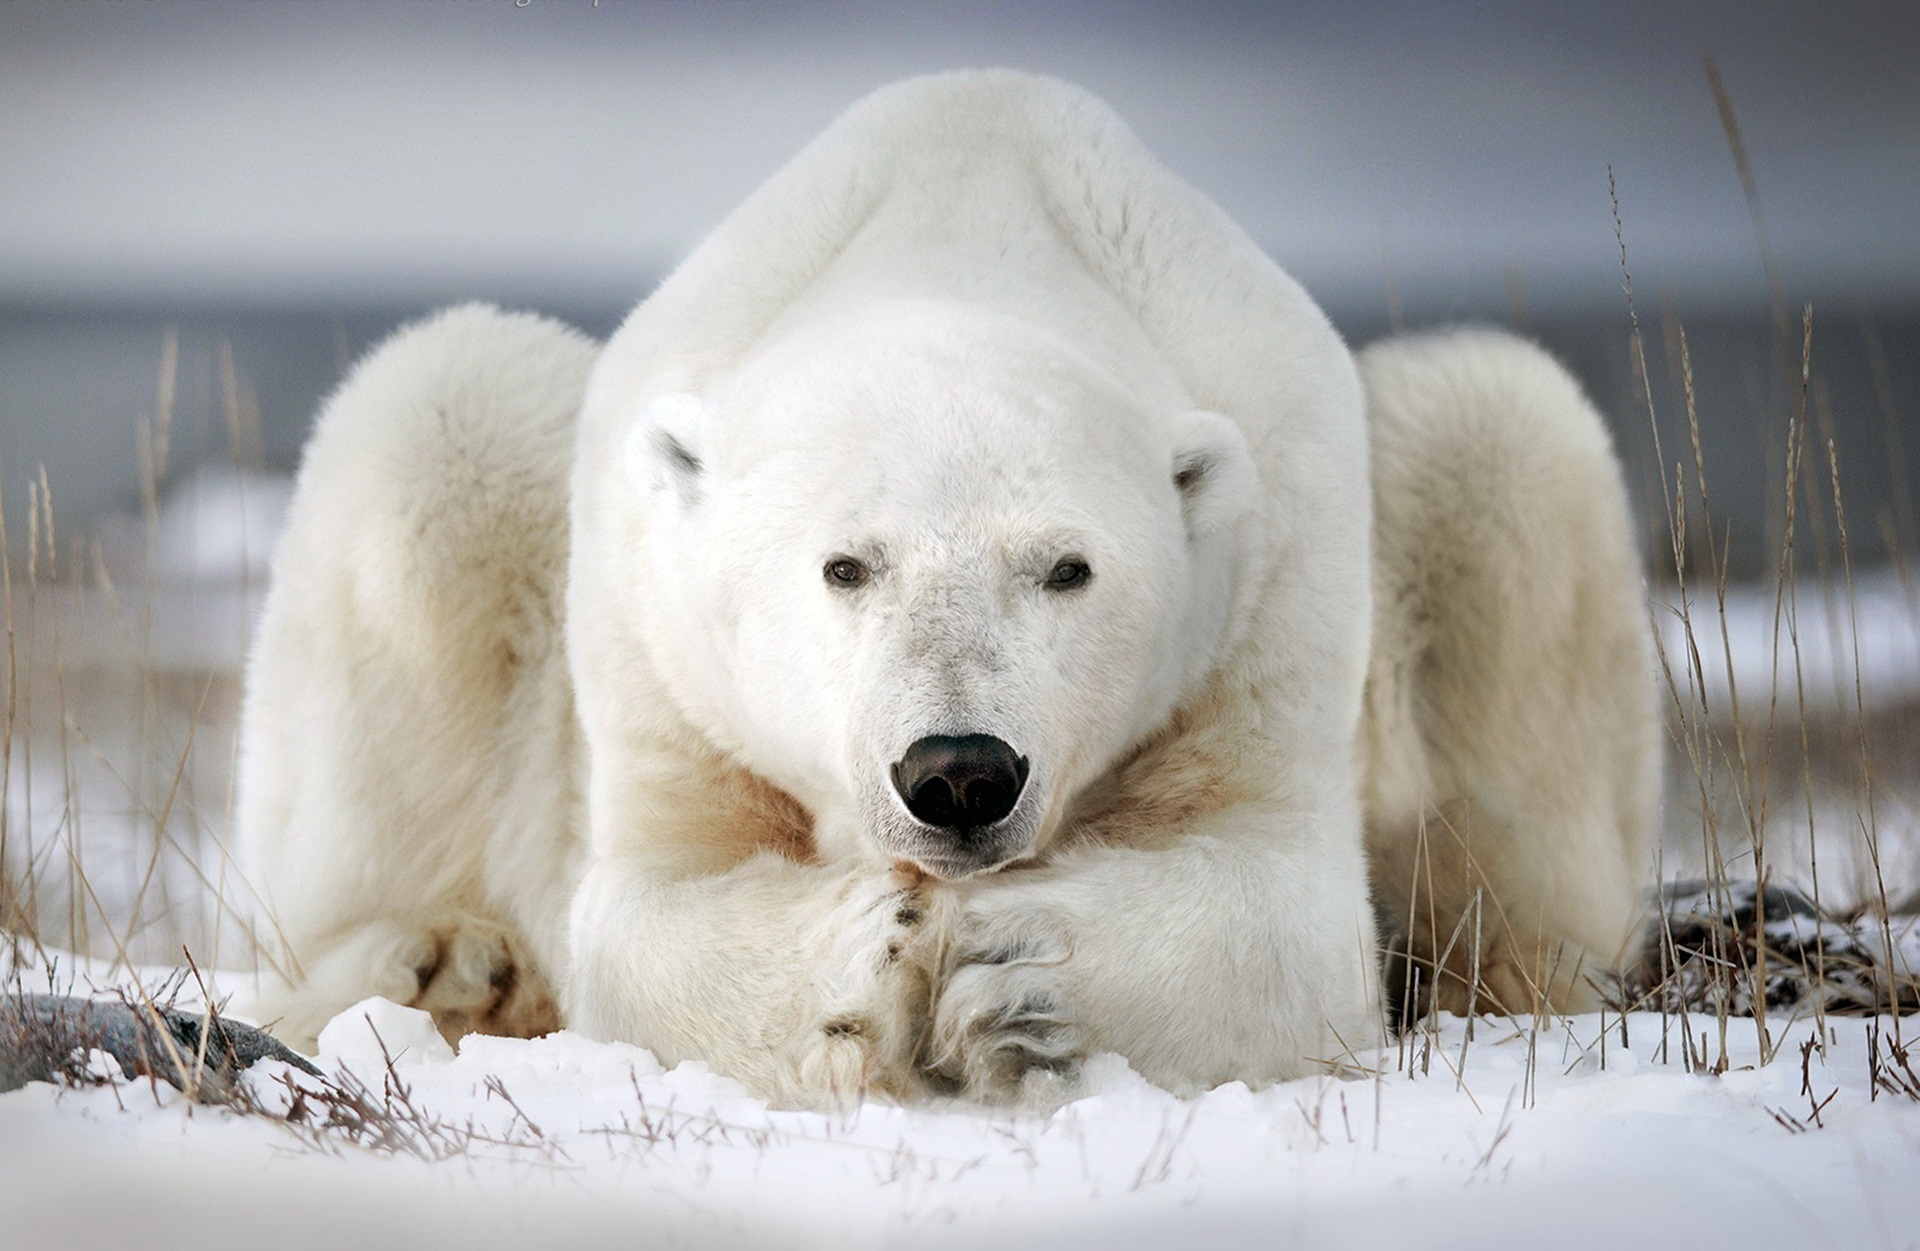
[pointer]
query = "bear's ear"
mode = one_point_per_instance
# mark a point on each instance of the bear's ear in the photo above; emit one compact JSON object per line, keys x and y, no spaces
{"x":1212,"y":470}
{"x":664,"y":450}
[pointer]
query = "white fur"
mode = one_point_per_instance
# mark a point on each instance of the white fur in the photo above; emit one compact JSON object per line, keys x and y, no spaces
{"x":407,"y":745}
{"x":971,"y":331}
{"x":1510,"y":745}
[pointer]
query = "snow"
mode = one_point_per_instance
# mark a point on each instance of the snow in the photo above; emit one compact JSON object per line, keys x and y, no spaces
{"x":368,"y":1034}
{"x":1581,"y":1131}
{"x":1863,"y":644}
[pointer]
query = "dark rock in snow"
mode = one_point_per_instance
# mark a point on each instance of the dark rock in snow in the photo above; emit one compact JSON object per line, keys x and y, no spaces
{"x":47,"y":1038}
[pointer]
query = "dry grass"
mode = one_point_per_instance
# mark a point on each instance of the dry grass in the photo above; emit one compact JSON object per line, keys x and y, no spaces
{"x":118,"y":744}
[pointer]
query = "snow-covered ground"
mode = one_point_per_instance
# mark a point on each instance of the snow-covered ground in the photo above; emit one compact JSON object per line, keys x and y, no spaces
{"x":1582,"y":1132}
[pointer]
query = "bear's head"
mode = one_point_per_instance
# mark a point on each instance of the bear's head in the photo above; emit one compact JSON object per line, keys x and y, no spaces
{"x":932,"y":571}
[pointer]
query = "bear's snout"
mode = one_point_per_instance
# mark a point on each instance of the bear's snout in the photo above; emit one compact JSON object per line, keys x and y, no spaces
{"x":960,"y":782}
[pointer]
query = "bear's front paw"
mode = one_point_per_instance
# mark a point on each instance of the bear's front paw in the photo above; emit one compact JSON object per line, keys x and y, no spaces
{"x":1003,"y":1030}
{"x":870,"y":995}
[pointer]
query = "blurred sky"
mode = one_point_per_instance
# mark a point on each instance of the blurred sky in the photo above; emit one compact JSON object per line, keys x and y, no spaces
{"x":291,"y":179}
{"x":319,"y":151}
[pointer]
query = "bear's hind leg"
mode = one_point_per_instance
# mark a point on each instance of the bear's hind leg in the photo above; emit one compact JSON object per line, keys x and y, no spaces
{"x":396,"y":802}
{"x":1511,"y":738}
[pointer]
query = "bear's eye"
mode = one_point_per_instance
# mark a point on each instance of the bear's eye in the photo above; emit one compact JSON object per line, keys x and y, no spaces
{"x":1069,"y":575}
{"x":845,"y":573}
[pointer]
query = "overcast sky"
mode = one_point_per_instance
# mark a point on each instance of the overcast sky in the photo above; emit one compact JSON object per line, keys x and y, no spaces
{"x":318,"y":152}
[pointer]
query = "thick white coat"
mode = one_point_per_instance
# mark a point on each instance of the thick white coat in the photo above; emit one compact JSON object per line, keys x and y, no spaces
{"x":513,"y":728}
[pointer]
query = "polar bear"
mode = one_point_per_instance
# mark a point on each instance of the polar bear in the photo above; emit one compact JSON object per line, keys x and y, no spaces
{"x":957,"y":624}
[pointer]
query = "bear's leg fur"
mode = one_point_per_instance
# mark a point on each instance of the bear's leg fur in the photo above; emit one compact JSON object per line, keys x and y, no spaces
{"x":810,"y":984}
{"x":1229,"y":941}
{"x":404,"y":802}
{"x":1510,"y":742}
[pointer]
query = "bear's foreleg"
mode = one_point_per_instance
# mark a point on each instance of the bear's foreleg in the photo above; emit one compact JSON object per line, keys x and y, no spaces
{"x":1233,"y":954}
{"x":809,"y":984}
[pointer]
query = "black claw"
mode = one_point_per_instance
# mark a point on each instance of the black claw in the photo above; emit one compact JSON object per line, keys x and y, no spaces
{"x":844,"y":1027}
{"x":425,"y":973}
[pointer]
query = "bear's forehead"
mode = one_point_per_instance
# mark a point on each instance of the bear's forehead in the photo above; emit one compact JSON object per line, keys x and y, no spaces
{"x":920,"y":478}
{"x":963,"y":458}
{"x":939,"y":384}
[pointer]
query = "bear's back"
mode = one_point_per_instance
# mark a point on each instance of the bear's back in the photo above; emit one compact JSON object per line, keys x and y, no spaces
{"x":441,"y":467}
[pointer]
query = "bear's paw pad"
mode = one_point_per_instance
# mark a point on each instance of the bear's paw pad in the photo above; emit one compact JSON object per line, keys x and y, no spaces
{"x":471,"y":979}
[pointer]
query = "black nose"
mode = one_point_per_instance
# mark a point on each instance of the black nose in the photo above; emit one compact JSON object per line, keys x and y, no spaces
{"x":960,"y":782}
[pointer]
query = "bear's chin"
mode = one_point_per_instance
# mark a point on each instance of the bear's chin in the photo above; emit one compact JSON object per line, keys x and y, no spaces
{"x":931,"y":864}
{"x":955,"y":869}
